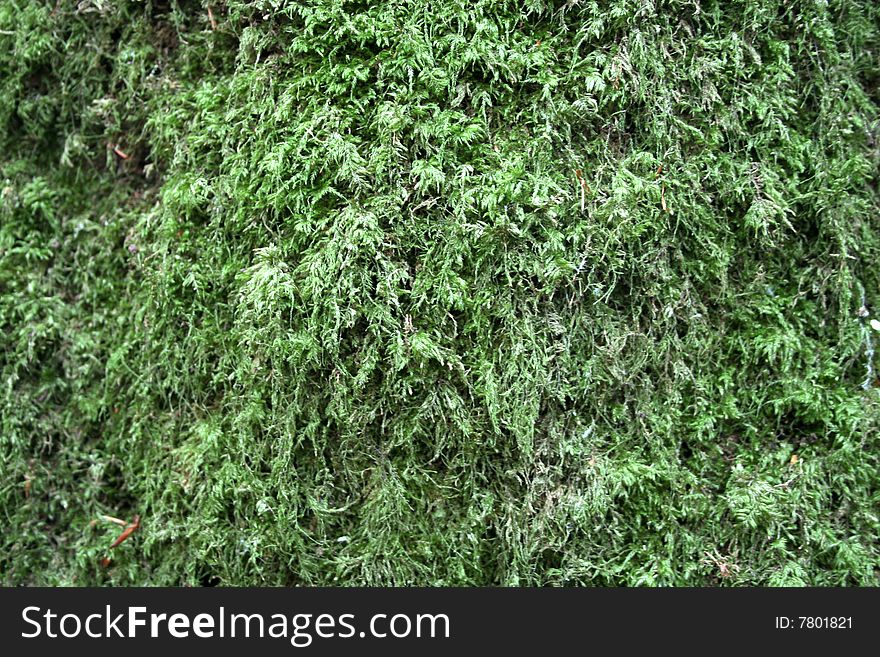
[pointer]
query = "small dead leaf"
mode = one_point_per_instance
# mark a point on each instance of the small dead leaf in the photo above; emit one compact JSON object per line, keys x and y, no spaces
{"x":794,"y":459}
{"x":131,"y":529}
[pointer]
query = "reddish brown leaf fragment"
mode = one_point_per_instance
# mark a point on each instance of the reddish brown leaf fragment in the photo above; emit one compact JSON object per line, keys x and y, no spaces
{"x":119,"y":152}
{"x":128,"y":531}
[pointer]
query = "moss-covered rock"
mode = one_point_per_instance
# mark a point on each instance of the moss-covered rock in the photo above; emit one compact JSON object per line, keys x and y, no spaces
{"x":449,"y":293}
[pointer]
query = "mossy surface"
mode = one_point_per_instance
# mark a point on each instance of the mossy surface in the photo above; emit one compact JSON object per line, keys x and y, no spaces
{"x":440,"y":293}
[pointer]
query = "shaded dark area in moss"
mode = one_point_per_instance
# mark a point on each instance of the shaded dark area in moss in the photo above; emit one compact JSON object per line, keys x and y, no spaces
{"x":440,"y":293}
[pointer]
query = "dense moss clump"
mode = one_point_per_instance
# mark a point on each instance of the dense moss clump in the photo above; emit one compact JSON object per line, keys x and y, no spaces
{"x":449,"y":293}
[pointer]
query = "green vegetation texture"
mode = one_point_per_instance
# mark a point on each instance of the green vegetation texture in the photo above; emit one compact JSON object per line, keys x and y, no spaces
{"x":444,"y":293}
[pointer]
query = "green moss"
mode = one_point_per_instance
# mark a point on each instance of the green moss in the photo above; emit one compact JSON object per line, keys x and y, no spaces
{"x":450,"y":293}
